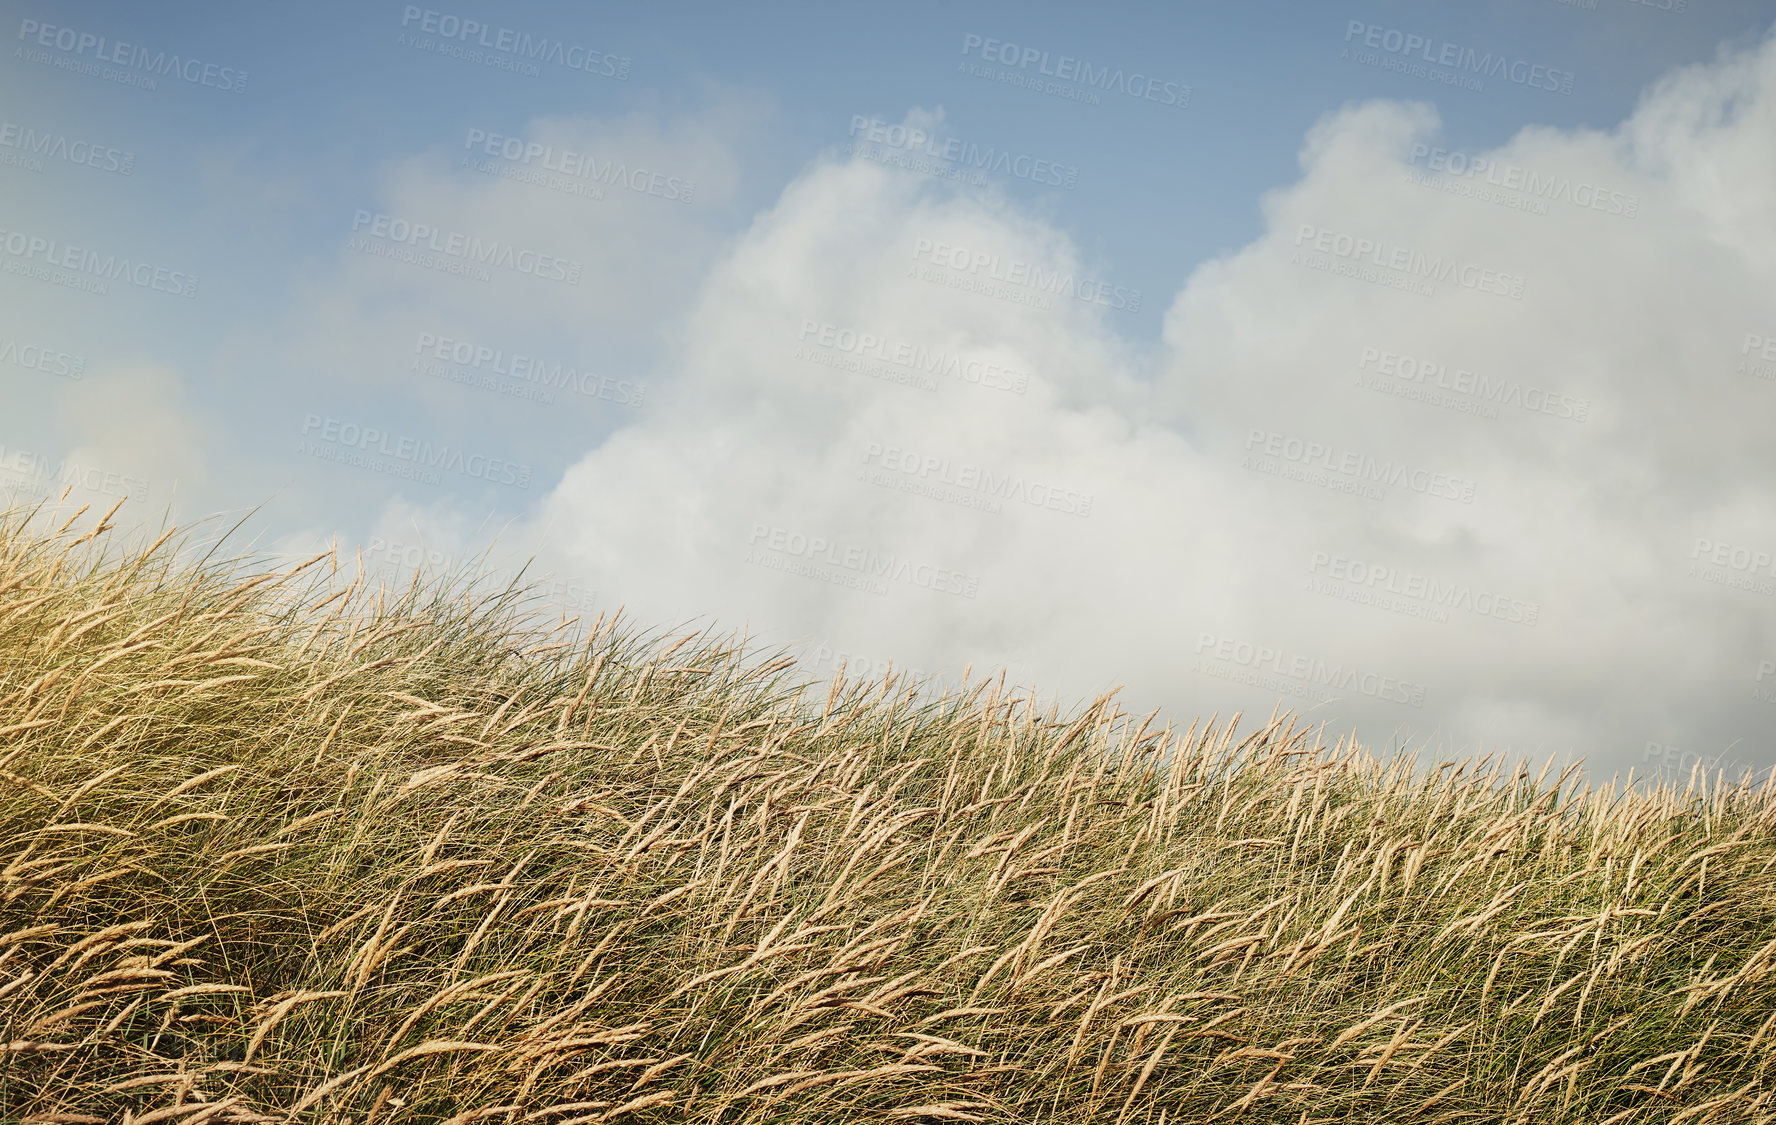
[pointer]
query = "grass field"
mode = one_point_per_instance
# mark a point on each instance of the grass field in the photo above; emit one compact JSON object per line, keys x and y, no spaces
{"x":288,"y":847}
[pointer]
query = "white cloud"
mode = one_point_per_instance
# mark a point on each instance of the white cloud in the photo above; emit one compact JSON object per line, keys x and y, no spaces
{"x":1638,"y":318}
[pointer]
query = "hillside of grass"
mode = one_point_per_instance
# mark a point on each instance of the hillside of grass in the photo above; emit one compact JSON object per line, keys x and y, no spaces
{"x":285,"y":846}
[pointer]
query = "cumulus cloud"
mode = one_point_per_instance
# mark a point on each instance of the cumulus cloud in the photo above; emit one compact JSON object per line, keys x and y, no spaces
{"x":122,"y":434}
{"x":506,"y":295}
{"x":1467,"y":448}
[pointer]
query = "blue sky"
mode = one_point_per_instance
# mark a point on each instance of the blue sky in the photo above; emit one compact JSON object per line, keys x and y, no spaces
{"x":331,"y":97}
{"x":301,"y":326}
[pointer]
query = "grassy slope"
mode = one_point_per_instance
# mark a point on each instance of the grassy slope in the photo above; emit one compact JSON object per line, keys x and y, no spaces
{"x":269,"y":856}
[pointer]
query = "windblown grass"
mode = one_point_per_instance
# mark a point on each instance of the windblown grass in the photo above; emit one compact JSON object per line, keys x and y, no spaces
{"x":282,"y":847}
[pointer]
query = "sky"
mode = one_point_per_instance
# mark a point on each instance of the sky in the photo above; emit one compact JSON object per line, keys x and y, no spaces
{"x":1412,"y":367}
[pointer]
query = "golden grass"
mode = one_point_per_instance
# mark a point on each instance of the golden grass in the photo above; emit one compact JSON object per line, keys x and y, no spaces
{"x":283,"y":847}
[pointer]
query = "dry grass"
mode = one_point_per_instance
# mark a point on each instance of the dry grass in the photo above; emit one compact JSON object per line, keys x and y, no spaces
{"x":286,"y":848}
